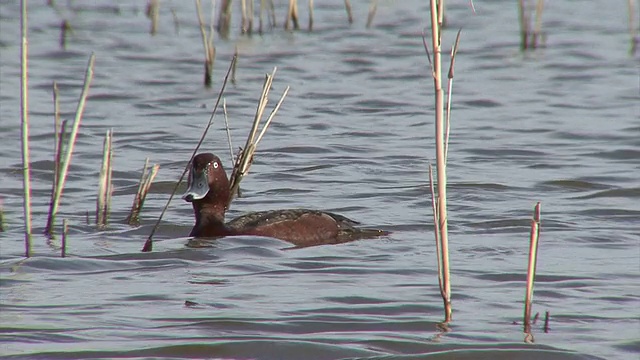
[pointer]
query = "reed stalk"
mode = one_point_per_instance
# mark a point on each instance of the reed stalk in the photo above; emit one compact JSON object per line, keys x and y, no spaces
{"x":373,"y":7}
{"x":148,"y":245}
{"x":310,"y":15}
{"x":228,"y":130}
{"x":24,"y":110}
{"x":235,"y":66}
{"x":633,"y":30}
{"x":292,"y":15}
{"x":250,"y":16}
{"x":546,"y":321}
{"x":272,"y":8}
{"x":224,"y":18}
{"x":176,"y":21}
{"x":347,"y":6}
{"x":66,"y":161}
{"x":65,"y":28}
{"x":530,"y":39}
{"x":153,"y":13}
{"x":531,"y":272}
{"x":143,"y":189}
{"x":63,"y":245}
{"x":209,"y":49}
{"x":105,"y":186}
{"x":260,"y":16}
{"x":243,"y":21}
{"x":2,"y":228}
{"x":245,"y":159}
{"x":439,"y":197}
{"x":56,"y":132}
{"x":523,"y":18}
{"x":537,"y":28}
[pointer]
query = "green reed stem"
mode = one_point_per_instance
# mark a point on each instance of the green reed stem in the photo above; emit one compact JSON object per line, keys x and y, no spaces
{"x":24,"y":110}
{"x":53,"y":209}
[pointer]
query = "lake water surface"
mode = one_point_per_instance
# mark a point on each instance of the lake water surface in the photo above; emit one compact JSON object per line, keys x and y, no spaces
{"x":355,"y":135}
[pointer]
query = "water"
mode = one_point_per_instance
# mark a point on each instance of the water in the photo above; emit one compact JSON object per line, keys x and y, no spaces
{"x":559,"y":125}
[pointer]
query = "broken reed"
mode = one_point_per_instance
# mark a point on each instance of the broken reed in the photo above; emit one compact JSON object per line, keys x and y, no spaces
{"x":209,"y":49}
{"x":531,"y":272}
{"x":245,"y":158}
{"x":148,"y":245}
{"x":105,"y":187}
{"x":373,"y":7}
{"x":439,"y":193}
{"x":65,"y":162}
{"x":530,"y":39}
{"x":292,"y":16}
{"x":148,"y":174}
{"x":24,"y":111}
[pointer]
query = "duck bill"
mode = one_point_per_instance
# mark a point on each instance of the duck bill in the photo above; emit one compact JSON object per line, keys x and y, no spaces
{"x":198,"y":186}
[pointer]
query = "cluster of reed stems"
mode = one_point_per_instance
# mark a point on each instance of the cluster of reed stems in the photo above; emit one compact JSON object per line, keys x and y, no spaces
{"x":531,"y":275}
{"x":439,"y":194}
{"x":63,"y":162}
{"x":105,"y":187}
{"x":245,"y":158}
{"x":148,"y":174}
{"x":530,"y":39}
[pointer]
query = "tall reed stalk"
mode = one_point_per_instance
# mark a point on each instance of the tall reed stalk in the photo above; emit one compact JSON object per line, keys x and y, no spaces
{"x":439,"y":194}
{"x":530,"y":39}
{"x":209,"y":49}
{"x":292,"y":15}
{"x":143,"y":189}
{"x":224,"y":18}
{"x":66,"y":161}
{"x":153,"y":13}
{"x":24,"y":110}
{"x":105,"y":187}
{"x":245,"y":159}
{"x":310,"y":15}
{"x":531,"y":272}
{"x":347,"y":6}
{"x":373,"y":7}
{"x":148,"y":245}
{"x":63,"y":245}
{"x":1,"y":216}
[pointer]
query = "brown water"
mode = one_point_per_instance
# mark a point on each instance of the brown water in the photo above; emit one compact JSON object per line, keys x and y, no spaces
{"x":559,"y":125}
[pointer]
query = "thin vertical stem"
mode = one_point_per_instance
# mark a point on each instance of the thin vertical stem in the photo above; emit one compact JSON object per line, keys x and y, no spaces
{"x":373,"y":7}
{"x":347,"y":6}
{"x":531,"y":270}
{"x":310,"y":15}
{"x":537,"y":29}
{"x":65,"y":231}
{"x":24,"y":109}
{"x":524,"y":25}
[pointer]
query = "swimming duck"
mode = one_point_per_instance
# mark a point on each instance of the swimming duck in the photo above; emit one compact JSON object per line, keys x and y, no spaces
{"x":208,"y":192}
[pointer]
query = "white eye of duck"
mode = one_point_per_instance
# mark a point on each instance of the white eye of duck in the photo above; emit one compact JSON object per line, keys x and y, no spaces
{"x":215,"y":164}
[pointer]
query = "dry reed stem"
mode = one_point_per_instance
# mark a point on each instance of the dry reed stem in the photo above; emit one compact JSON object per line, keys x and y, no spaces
{"x":523,"y":18}
{"x":250,"y":17}
{"x":537,"y":28}
{"x":153,"y":13}
{"x":226,"y":125}
{"x":53,"y":209}
{"x":56,"y":133}
{"x":24,"y":110}
{"x":292,"y":15}
{"x":441,"y":213}
{"x":224,"y":18}
{"x":531,"y":271}
{"x":245,"y":159}
{"x":454,"y":52}
{"x":272,"y":8}
{"x":148,"y":245}
{"x":243,"y":22}
{"x":373,"y":7}
{"x":209,"y":49}
{"x":347,"y":6}
{"x":176,"y":21}
{"x":65,"y":27}
{"x":235,"y":66}
{"x":546,"y":321}
{"x":146,"y":178}
{"x":310,"y":15}
{"x":633,"y":31}
{"x":105,"y":186}
{"x":436,"y":228}
{"x":1,"y":216}
{"x":63,"y":245}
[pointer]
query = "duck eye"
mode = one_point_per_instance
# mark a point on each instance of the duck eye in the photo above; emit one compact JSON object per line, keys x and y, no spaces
{"x":215,"y":164}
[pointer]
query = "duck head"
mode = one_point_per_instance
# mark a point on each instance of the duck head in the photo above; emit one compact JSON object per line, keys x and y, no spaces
{"x":208,"y":186}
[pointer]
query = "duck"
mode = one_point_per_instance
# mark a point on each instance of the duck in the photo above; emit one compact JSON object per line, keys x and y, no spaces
{"x":209,"y":191}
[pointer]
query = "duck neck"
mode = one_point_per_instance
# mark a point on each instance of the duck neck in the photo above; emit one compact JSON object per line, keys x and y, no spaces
{"x":209,"y":219}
